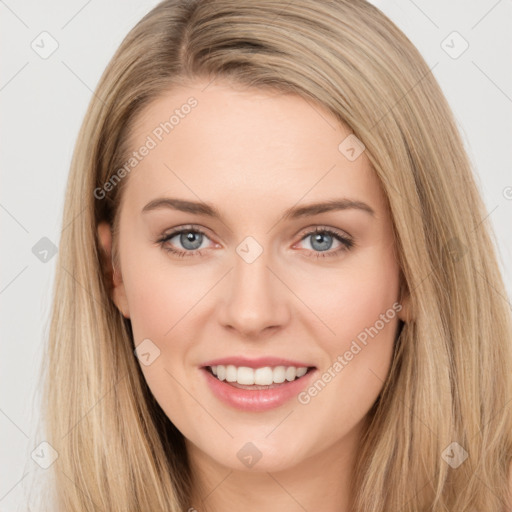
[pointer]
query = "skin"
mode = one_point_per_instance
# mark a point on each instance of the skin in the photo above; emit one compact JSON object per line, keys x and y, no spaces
{"x":253,"y":154}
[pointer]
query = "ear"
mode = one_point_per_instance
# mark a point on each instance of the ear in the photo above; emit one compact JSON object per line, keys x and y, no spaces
{"x":405,"y":314}
{"x":112,"y":275}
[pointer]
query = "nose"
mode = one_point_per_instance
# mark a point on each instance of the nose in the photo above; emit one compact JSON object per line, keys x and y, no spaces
{"x":256,"y":300}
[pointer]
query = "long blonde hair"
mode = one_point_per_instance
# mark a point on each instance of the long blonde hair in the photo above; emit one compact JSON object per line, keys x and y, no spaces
{"x":450,"y":380}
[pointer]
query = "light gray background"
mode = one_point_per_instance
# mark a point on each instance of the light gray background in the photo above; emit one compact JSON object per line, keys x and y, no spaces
{"x":43,"y":102}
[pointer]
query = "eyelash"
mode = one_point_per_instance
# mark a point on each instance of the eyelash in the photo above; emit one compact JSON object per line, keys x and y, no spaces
{"x":347,"y":243}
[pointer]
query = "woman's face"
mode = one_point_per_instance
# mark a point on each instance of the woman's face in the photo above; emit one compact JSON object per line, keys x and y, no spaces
{"x":263,"y":280}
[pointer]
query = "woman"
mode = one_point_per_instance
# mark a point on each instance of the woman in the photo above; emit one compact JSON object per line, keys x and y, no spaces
{"x":337,"y":339}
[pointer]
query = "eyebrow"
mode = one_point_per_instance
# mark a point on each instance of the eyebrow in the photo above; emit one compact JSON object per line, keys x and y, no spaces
{"x":201,"y":208}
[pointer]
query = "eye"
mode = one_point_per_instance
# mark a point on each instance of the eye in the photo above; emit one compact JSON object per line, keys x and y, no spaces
{"x":321,"y":240}
{"x":190,"y":238}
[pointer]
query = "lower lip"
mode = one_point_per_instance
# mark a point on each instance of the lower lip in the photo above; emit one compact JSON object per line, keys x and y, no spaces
{"x":258,"y":399}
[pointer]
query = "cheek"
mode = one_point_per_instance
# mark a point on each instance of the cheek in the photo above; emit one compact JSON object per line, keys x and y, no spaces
{"x":159,"y":298}
{"x":359,"y":312}
{"x":351,"y":298}
{"x":158,"y":295}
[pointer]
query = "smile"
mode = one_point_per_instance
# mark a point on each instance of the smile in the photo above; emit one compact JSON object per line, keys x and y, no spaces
{"x":264,"y":376}
{"x":257,"y":389}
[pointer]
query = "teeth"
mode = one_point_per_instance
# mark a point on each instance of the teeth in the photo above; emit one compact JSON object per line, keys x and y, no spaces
{"x":260,"y":376}
{"x":301,"y":371}
{"x":231,"y":373}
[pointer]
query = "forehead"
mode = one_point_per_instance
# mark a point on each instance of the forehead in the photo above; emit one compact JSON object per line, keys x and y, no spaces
{"x":226,"y":144}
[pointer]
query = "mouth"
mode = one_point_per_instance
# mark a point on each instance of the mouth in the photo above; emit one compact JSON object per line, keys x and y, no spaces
{"x":257,"y":384}
{"x":263,"y":378}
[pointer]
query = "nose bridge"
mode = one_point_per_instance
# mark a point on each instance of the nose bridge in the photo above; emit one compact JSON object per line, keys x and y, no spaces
{"x":255,"y":299}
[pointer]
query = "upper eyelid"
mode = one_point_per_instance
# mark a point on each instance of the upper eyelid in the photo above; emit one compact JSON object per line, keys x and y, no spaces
{"x":179,"y":230}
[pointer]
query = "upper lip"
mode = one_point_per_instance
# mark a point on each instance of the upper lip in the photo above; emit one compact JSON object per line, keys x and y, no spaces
{"x":258,"y":362}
